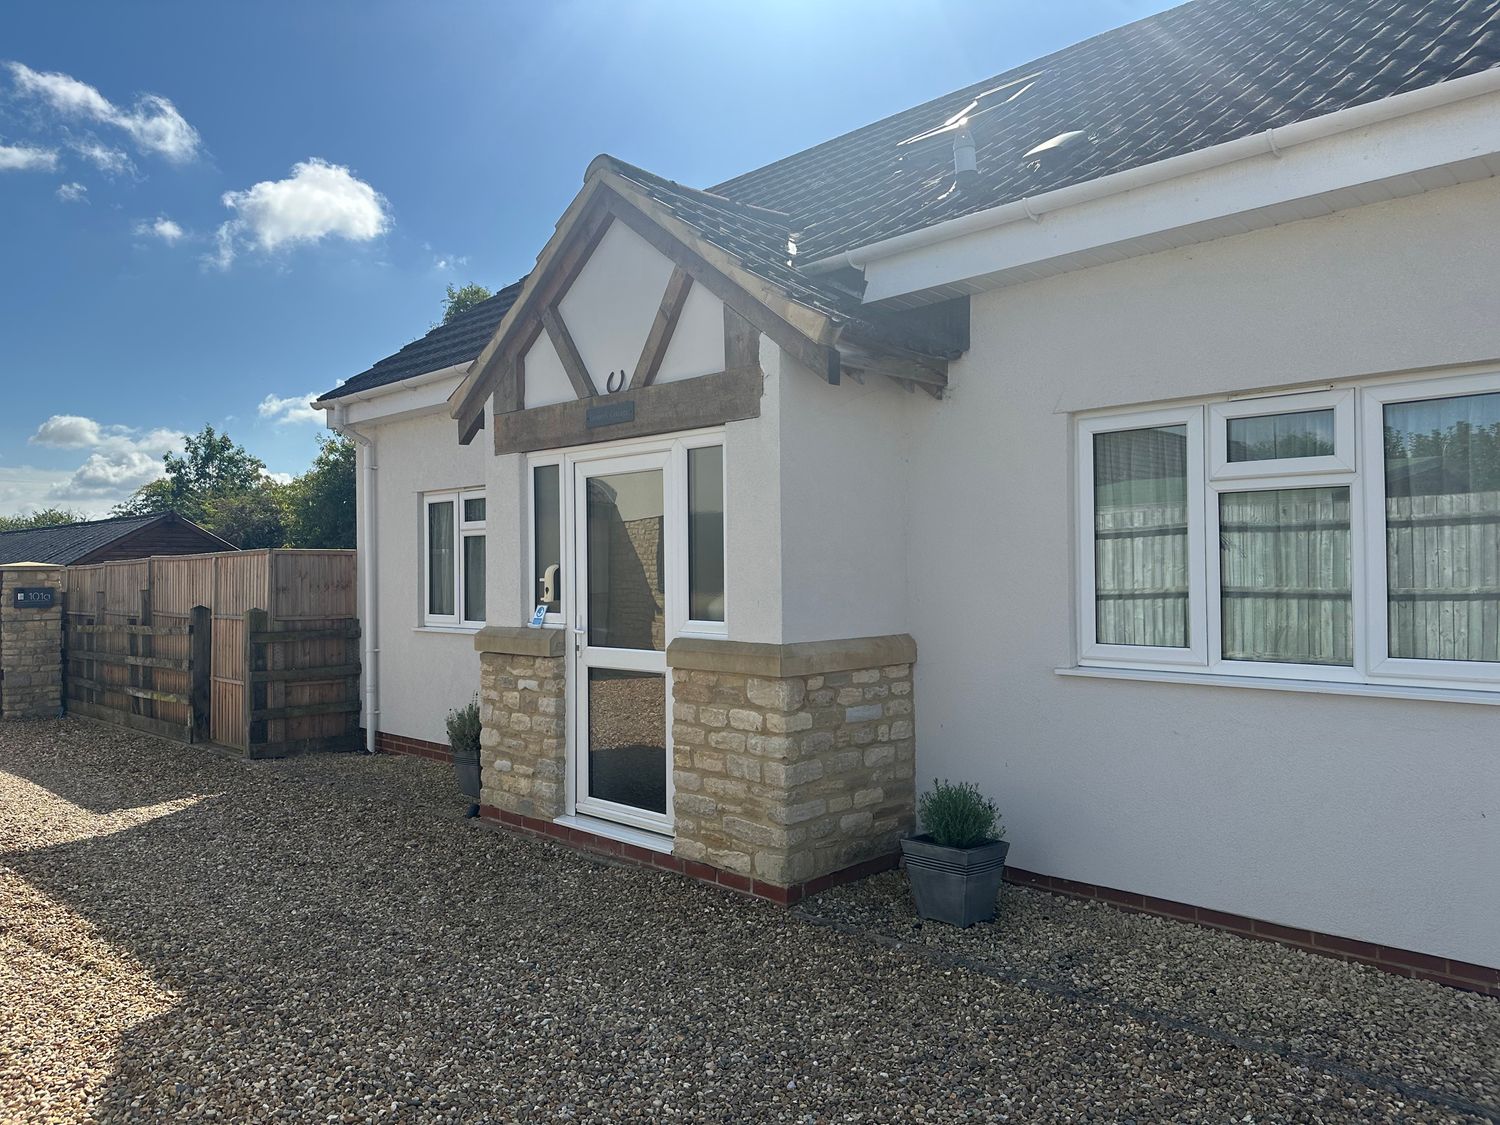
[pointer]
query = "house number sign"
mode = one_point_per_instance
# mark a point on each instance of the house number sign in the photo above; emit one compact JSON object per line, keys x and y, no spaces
{"x":35,"y":597}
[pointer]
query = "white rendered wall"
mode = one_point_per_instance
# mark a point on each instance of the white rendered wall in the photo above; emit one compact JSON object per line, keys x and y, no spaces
{"x":546,"y":381}
{"x":1375,"y":819}
{"x":423,"y":673}
{"x":845,"y":459}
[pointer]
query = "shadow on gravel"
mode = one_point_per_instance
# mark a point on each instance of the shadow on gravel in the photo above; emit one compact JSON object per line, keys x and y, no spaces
{"x":84,"y":781}
{"x":341,"y":944}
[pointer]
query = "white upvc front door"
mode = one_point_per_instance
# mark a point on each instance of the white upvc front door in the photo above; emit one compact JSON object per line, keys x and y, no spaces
{"x":622,"y":571}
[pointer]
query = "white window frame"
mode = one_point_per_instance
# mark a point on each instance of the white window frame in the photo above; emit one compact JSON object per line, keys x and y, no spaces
{"x":1342,"y":460}
{"x":1382,"y":666}
{"x":1358,"y":463}
{"x":1141,"y":656}
{"x":462,"y":529}
{"x":565,"y":513}
{"x":675,"y":529}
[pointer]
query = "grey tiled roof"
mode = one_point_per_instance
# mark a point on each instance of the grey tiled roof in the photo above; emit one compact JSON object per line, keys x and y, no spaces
{"x":69,"y":542}
{"x":1195,"y":76}
{"x":1198,"y":75}
{"x":459,"y":341}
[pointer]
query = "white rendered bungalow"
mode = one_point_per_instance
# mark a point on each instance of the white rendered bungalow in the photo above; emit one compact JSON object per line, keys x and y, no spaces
{"x":1121,"y":434}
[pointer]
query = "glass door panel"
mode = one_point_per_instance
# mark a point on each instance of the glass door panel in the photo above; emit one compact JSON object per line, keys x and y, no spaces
{"x":619,"y":641}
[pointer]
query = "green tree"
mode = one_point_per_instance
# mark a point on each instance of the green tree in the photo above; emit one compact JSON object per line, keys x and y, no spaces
{"x":462,"y":299}
{"x":250,"y":518}
{"x":318,"y":506}
{"x":211,"y":467}
{"x":46,"y":517}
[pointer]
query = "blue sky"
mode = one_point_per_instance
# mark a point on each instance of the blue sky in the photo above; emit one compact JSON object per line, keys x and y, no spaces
{"x":210,"y":211}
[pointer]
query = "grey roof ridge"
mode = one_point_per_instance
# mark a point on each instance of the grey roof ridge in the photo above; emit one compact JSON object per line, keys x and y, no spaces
{"x":632,"y":171}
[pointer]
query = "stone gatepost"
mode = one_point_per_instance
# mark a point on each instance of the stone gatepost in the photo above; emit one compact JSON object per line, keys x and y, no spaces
{"x":523,"y":741}
{"x":31,"y":641}
{"x":792,"y":763}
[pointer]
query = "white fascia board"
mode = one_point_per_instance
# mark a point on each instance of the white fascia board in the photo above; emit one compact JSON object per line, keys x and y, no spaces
{"x":420,"y":394}
{"x":1211,"y":193}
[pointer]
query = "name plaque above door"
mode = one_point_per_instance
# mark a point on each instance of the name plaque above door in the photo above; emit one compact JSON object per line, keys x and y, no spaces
{"x":611,"y":414}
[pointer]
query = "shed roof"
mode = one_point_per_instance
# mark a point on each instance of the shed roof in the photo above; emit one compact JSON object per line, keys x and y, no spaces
{"x":1198,"y":75}
{"x":69,"y":543}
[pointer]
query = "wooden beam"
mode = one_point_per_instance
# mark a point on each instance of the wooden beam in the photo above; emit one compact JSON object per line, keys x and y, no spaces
{"x":741,"y":341}
{"x":567,"y":351}
{"x":683,"y":404}
{"x":556,"y":269}
{"x":660,"y":336}
{"x":906,"y":371}
{"x":823,"y":359}
{"x":468,"y":430}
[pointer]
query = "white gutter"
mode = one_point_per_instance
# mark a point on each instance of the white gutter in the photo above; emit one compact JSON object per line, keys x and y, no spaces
{"x":409,"y":383}
{"x":365,"y":555}
{"x":1272,"y":141}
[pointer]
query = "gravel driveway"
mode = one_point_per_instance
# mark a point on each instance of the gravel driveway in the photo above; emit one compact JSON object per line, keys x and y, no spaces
{"x":187,"y":937}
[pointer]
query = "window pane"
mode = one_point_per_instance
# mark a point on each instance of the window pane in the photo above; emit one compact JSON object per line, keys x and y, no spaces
{"x":1270,"y":437}
{"x":1442,"y":513}
{"x":1140,"y":537}
{"x":546,"y":536}
{"x":625,"y":561}
{"x":440,"y":558}
{"x":1284,"y":575}
{"x":473,"y":577}
{"x":628,"y":738}
{"x":473,"y":509}
{"x":706,"y":533}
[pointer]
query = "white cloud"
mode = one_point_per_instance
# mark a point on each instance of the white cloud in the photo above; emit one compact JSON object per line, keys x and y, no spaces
{"x":280,"y":478}
{"x":286,"y":411}
{"x":120,"y":460}
{"x":318,"y":200}
{"x":113,"y":161}
{"x":27,"y":158}
{"x":153,"y":122}
{"x":73,"y":193}
{"x":163,"y":228}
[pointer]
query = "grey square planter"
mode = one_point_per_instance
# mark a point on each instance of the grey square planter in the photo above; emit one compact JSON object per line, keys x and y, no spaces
{"x":954,"y":885}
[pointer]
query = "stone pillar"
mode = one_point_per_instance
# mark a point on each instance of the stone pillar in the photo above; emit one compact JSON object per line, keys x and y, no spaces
{"x":30,"y":644}
{"x":522,"y":700}
{"x":792,"y":762}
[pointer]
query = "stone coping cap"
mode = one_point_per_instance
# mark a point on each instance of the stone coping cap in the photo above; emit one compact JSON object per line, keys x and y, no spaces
{"x":519,"y":640}
{"x":30,"y":566}
{"x":806,"y":658}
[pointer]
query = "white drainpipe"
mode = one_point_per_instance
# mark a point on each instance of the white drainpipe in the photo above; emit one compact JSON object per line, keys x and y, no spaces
{"x":366,"y":554}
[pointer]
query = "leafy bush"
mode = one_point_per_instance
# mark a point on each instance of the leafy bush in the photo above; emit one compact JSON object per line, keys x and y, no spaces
{"x":463,"y":729}
{"x":959,"y":815}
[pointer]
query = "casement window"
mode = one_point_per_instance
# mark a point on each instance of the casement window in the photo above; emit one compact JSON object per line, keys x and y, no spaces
{"x":453,"y":559}
{"x":1349,"y":535}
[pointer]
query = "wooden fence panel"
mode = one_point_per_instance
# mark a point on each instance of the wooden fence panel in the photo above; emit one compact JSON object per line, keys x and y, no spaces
{"x":314,"y":590}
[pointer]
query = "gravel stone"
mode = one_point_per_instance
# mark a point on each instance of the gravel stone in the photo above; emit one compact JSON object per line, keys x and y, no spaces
{"x":188,"y":937}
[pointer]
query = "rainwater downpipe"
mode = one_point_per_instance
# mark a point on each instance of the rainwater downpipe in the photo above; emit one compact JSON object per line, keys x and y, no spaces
{"x":365,"y":554}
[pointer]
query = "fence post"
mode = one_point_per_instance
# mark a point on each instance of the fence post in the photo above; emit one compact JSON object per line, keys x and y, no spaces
{"x":200,"y":672}
{"x":256,"y":621}
{"x":97,"y":695}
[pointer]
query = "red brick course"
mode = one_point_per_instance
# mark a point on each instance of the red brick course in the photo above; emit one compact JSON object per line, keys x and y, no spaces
{"x":412,"y":747}
{"x":1401,"y":962}
{"x":702,"y":872}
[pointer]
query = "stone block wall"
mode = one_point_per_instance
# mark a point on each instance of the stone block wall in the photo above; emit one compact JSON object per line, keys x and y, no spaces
{"x":789,"y":763}
{"x":30,"y":646}
{"x":522,"y":704}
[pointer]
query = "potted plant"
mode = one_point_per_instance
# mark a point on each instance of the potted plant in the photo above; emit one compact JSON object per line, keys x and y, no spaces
{"x":956,"y":865}
{"x":463,"y":739}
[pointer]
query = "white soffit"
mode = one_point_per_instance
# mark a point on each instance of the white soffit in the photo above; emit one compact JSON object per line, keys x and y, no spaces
{"x":697,"y":344}
{"x":610,"y":307}
{"x":1418,"y":152}
{"x":546,"y":380}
